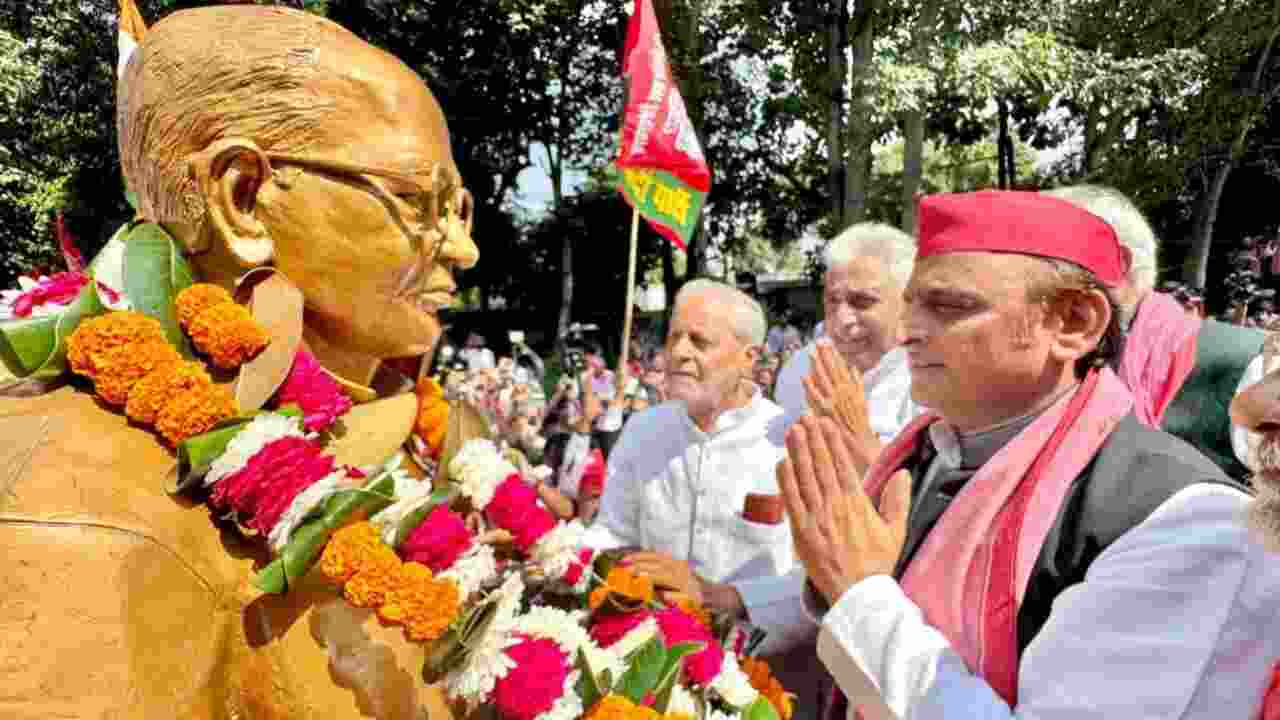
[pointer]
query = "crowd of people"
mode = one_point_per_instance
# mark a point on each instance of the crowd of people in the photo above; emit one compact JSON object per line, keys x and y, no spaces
{"x":1045,"y":455}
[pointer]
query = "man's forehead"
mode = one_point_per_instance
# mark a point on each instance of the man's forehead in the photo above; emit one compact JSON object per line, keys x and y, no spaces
{"x":862,"y":272}
{"x":974,"y":273}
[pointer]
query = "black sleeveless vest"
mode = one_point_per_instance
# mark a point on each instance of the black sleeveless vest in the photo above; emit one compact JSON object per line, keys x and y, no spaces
{"x":1135,"y":471}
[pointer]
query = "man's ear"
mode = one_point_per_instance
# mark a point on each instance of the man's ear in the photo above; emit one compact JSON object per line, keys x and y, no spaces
{"x":229,"y":174}
{"x":1084,"y":317}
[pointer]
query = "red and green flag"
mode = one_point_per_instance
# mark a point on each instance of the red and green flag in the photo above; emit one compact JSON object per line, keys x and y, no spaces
{"x":661,"y":170}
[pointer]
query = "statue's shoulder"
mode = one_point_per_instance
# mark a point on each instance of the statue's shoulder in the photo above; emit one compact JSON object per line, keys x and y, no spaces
{"x":66,"y":438}
{"x":69,"y":461}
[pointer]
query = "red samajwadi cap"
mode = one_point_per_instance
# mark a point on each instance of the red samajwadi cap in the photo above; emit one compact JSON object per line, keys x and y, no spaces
{"x":1027,"y":223}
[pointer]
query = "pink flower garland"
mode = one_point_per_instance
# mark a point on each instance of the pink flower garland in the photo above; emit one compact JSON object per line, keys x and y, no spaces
{"x":310,"y":387}
{"x":677,"y":627}
{"x":608,"y":629}
{"x":534,"y":685}
{"x":574,"y":574}
{"x":263,"y":489}
{"x":438,"y":541}
{"x":515,"y":508}
{"x":57,"y":289}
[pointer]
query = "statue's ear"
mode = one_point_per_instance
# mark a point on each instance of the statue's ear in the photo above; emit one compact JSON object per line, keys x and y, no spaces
{"x":229,"y":173}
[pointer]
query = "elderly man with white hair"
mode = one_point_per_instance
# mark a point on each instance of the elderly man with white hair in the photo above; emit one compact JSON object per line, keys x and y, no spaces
{"x":867,"y":267}
{"x":679,"y":477}
{"x":1182,"y":370}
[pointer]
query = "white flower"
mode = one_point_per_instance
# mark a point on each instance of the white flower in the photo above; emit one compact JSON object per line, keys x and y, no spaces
{"x":568,"y":631}
{"x":569,"y":705}
{"x":479,"y":469}
{"x":303,"y":504}
{"x":682,"y":702}
{"x":473,"y":569}
{"x":260,"y":432}
{"x":733,"y":685}
{"x":558,"y":549}
{"x":635,"y":638}
{"x":411,"y":495}
{"x":487,"y":663}
{"x":718,"y":715}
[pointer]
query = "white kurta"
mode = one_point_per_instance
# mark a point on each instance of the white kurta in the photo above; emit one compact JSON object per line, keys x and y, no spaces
{"x":675,"y":489}
{"x":1178,"y":618}
{"x":888,"y":387}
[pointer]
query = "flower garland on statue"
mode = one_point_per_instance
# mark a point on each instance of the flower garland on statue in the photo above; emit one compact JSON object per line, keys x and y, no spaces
{"x":414,"y":561}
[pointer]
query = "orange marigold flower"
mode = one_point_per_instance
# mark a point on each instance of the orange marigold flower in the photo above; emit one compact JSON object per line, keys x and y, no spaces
{"x":692,"y":608}
{"x":194,"y":412}
{"x":150,"y":394}
{"x":197,"y":298}
{"x":433,"y":414}
{"x":118,"y":369}
{"x":617,"y":707}
{"x":425,"y":605}
{"x":352,"y":549}
{"x":373,"y":583}
{"x":766,"y":684}
{"x":228,"y":334}
{"x":678,"y":716}
{"x":621,"y":581}
{"x":98,"y":335}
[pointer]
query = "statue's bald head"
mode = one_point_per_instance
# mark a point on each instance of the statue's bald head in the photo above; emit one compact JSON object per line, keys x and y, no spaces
{"x":289,"y":81}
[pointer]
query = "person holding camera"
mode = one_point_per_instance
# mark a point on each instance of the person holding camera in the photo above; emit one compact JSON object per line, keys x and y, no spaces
{"x":478,"y":356}
{"x":571,"y":413}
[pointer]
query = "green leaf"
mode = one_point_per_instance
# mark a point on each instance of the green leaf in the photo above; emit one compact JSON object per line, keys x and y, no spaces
{"x":26,"y":344}
{"x":645,"y":670}
{"x":588,"y":688}
{"x":671,"y":672}
{"x":36,"y":348}
{"x":154,"y":274}
{"x":308,"y":540}
{"x":761,"y":709}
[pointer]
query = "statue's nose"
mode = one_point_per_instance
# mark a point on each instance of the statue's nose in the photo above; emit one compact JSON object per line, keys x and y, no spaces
{"x":1258,"y":407}
{"x":459,"y":249}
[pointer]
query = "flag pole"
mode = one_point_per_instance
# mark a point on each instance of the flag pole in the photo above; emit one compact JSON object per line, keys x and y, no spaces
{"x":621,"y":378}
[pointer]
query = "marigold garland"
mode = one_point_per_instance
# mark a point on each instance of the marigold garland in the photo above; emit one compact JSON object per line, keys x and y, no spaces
{"x":351,"y":549}
{"x":372,"y":576}
{"x":768,"y":686}
{"x":117,"y":369}
{"x":150,"y":394}
{"x":621,"y":581}
{"x":433,"y":415}
{"x":228,"y":334}
{"x":195,"y":299}
{"x":617,"y":707}
{"x":96,"y":336}
{"x":194,"y":412}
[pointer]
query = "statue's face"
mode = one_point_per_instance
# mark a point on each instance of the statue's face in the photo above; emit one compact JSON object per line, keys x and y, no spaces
{"x":371,"y":222}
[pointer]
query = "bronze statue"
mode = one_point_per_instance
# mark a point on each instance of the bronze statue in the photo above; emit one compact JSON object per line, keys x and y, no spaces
{"x":257,"y":137}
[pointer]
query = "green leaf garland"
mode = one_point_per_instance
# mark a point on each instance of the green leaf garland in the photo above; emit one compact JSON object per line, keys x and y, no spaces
{"x":154,"y":274}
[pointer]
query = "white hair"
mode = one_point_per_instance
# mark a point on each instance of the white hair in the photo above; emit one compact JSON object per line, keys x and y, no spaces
{"x":1132,"y":229}
{"x":896,"y":249}
{"x":749,"y":323}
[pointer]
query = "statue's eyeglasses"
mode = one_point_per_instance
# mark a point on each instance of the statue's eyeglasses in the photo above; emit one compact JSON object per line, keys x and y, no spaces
{"x":442,"y":197}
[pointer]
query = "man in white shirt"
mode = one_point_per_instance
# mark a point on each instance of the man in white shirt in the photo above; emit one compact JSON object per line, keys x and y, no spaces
{"x":477,"y":356}
{"x":680,"y":472}
{"x":867,"y":267}
{"x":1033,"y":550}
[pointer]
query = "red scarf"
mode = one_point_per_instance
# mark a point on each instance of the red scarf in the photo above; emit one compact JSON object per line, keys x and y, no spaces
{"x":970,"y":574}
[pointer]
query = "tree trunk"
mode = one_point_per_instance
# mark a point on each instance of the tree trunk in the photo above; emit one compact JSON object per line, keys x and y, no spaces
{"x":555,"y":169}
{"x":1004,"y":169}
{"x":913,"y":121}
{"x":1196,"y":268}
{"x":837,"y":39}
{"x":861,"y":130}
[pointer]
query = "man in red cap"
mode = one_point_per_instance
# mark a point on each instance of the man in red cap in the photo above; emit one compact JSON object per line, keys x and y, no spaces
{"x":1030,"y":549}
